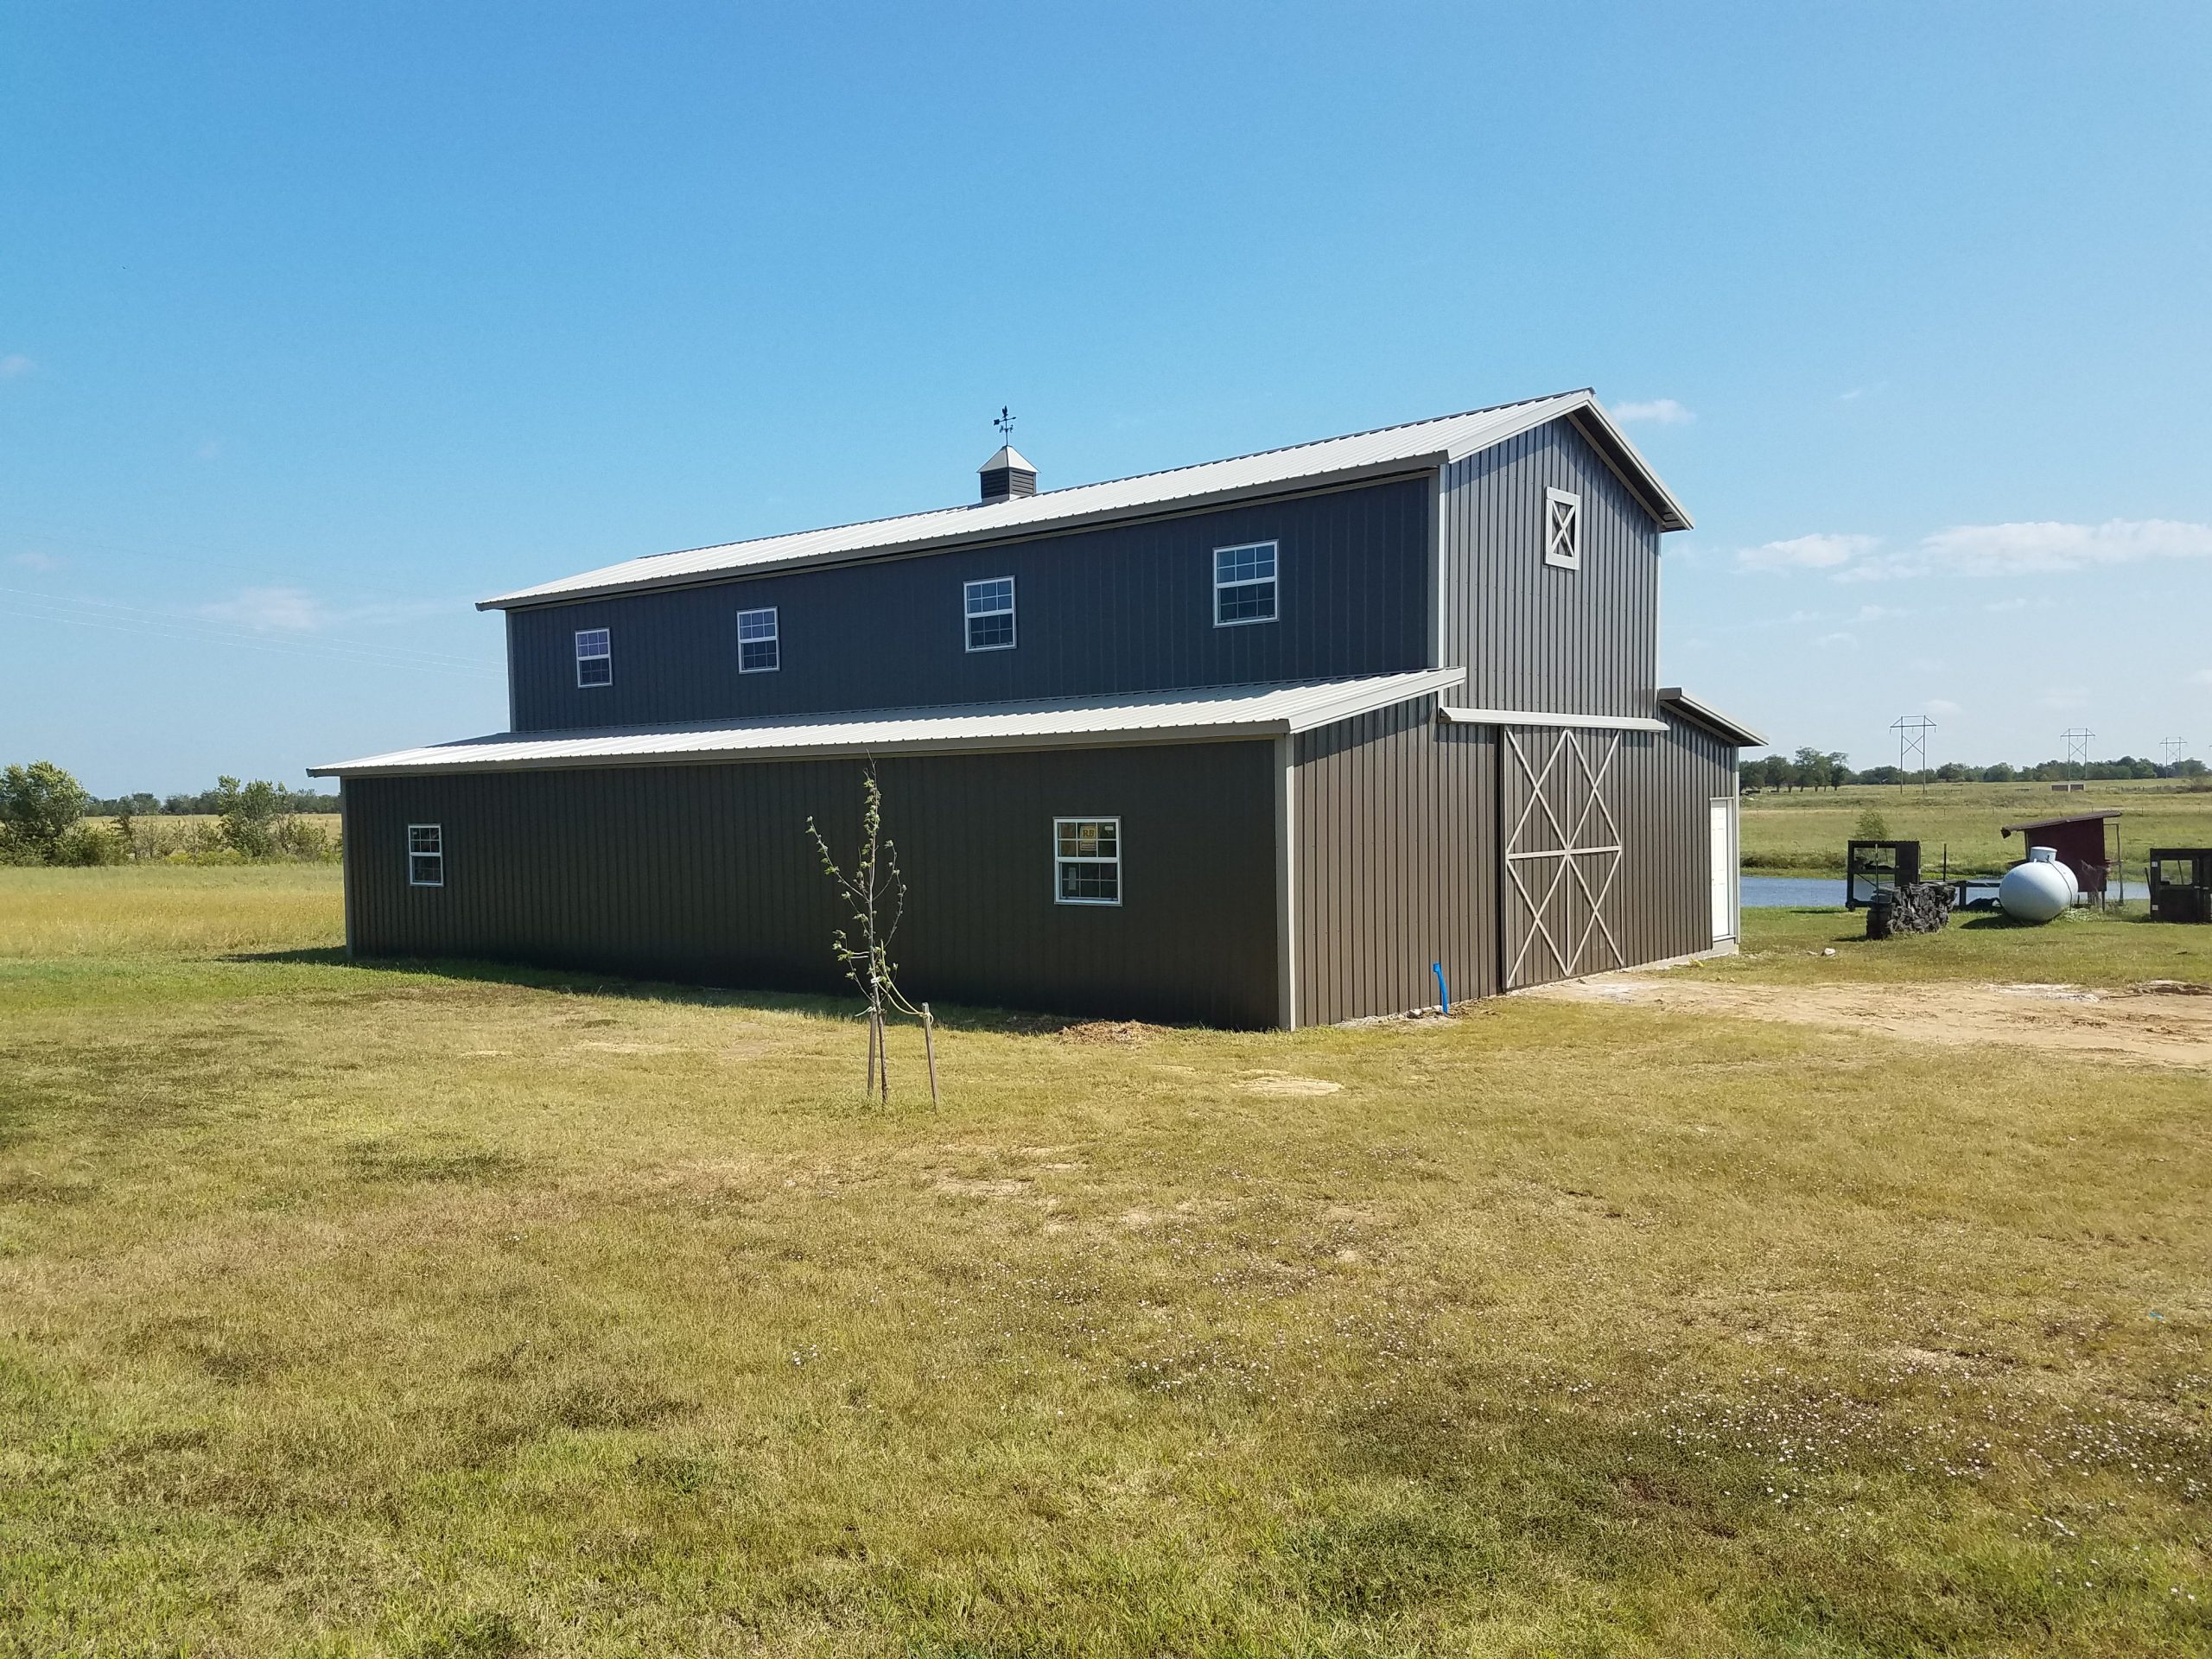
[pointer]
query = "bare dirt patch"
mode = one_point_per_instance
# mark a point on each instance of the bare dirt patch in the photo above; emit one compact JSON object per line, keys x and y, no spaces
{"x":1284,"y":1084}
{"x":2144,"y":1026}
{"x":1108,"y":1031}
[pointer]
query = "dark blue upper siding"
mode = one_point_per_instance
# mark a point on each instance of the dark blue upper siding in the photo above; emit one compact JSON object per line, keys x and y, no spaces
{"x":1124,"y":608}
{"x":1532,"y":636}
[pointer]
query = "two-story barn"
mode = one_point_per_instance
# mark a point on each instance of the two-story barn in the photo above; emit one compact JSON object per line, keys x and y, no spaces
{"x":1250,"y":743}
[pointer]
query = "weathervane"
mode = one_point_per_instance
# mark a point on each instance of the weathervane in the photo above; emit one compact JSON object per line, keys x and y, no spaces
{"x":1005,"y":423}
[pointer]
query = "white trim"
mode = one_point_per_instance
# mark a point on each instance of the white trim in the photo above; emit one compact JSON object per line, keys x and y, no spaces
{"x":1272,"y":581}
{"x":606,"y":655}
{"x":1286,"y":882}
{"x":774,"y":637}
{"x":1438,"y":586}
{"x":1060,"y":858}
{"x":439,"y":831}
{"x":1536,"y":717}
{"x":967,"y":618}
{"x":1727,"y":859}
{"x":1562,"y":530}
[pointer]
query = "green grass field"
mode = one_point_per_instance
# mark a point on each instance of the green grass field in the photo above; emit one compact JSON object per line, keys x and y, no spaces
{"x":1803,"y":833}
{"x":366,"y":1310}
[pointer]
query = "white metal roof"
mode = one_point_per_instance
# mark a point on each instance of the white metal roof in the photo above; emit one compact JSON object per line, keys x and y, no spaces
{"x":1210,"y":712}
{"x":1390,"y":449}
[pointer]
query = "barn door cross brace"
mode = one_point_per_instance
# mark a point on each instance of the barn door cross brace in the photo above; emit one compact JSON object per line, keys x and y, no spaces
{"x":1569,"y":961}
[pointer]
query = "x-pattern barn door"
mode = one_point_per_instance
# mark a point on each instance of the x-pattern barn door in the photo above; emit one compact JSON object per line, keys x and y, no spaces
{"x":1562,"y":845}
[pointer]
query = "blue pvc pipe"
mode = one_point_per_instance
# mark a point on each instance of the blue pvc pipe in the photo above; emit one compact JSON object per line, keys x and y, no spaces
{"x":1443,"y":991}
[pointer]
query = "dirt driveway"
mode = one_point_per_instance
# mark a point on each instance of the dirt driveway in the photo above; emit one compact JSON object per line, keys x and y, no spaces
{"x":2163,"y":1023}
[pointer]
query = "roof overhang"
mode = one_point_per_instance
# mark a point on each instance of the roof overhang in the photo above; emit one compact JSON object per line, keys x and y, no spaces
{"x":1207,"y":714}
{"x":1678,"y":704}
{"x":2095,"y":817}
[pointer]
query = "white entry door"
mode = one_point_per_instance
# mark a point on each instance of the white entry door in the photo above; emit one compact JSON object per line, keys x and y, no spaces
{"x":1723,"y":870}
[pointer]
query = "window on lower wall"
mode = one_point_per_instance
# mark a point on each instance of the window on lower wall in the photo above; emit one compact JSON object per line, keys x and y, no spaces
{"x":426,"y":855}
{"x":594,"y":657}
{"x":1563,"y":530}
{"x":758,"y":651}
{"x":1087,"y":861}
{"x":1243,"y":584}
{"x":989,"y":606}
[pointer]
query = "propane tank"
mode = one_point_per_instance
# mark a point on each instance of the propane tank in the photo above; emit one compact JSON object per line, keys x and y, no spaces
{"x":2038,"y":890}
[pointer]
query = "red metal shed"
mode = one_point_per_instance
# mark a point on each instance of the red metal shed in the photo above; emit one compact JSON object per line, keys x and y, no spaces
{"x":2079,"y":840}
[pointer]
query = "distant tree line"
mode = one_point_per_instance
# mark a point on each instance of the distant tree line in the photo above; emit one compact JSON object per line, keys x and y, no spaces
{"x":47,"y":817}
{"x":1811,"y":769}
{"x":208,"y":803}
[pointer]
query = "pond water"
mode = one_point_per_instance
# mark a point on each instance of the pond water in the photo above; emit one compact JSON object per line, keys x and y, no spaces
{"x":1795,"y":891}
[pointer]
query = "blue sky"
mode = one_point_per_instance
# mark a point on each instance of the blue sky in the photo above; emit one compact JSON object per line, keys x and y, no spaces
{"x":317,"y":324}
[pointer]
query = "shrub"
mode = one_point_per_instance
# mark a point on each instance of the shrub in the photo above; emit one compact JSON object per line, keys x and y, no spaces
{"x":249,"y":813}
{"x":38,"y":804}
{"x":85,"y":842}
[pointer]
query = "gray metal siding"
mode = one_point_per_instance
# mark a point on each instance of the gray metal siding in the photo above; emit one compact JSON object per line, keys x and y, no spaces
{"x":704,"y":875}
{"x":1394,"y":863}
{"x":1530,"y":635}
{"x":1126,"y":608}
{"x":1669,"y":783}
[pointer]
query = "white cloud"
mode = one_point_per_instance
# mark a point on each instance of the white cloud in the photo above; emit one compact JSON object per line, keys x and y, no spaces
{"x":1806,"y":553}
{"x":210,"y":450}
{"x":1660,"y":411}
{"x":1999,"y":549}
{"x":38,"y":562}
{"x":271,"y":610}
{"x":1876,"y":612}
{"x":2202,"y":676}
{"x":14,"y":364}
{"x":2032,"y":549}
{"x":1943,"y":706}
{"x":1837,"y":639}
{"x":2070,"y":696}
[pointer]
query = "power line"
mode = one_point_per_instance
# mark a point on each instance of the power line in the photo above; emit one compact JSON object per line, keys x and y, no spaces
{"x":1912,"y":745}
{"x":2078,"y":739}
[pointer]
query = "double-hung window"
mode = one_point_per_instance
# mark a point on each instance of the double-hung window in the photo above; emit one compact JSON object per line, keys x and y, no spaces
{"x":594,"y":657}
{"x":1243,"y":584}
{"x":758,"y":651}
{"x":426,"y":855}
{"x":1563,"y":530}
{"x":1087,"y":861}
{"x":989,"y":607}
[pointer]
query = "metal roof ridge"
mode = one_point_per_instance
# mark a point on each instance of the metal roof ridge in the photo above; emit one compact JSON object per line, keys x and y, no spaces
{"x":1580,"y":397}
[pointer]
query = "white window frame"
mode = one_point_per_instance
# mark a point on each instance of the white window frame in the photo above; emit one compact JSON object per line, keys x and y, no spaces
{"x":1060,"y":859}
{"x":1272,"y":581}
{"x":968,"y":615}
{"x":606,"y":656}
{"x":1563,"y":530}
{"x":773,"y":636}
{"x":438,"y":831}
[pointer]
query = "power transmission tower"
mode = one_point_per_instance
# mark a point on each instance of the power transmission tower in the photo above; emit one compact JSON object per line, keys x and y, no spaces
{"x":1912,"y":747}
{"x":2077,"y":747}
{"x":2173,"y":748}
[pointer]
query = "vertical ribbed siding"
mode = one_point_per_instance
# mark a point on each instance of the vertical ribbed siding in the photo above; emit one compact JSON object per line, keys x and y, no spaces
{"x":1124,"y":608}
{"x":1532,"y":636}
{"x":704,"y":875}
{"x":1669,"y":783}
{"x":1395,"y":865}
